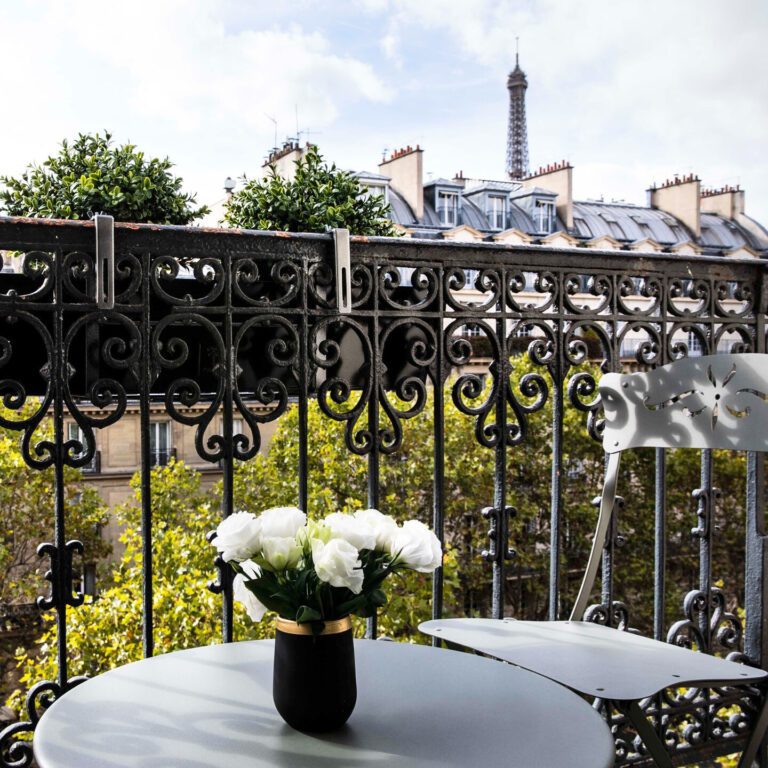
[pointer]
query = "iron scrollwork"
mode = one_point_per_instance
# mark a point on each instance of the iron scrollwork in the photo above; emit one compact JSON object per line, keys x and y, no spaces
{"x":498,"y":547}
{"x":245,"y":329}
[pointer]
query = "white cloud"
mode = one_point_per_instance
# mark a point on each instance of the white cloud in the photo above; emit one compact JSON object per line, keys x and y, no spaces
{"x":170,"y":76}
{"x":646,"y":89}
{"x":652,"y":87}
{"x":389,"y":46}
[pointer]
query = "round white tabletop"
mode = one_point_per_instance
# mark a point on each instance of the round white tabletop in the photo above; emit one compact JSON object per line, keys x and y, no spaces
{"x":212,"y":707}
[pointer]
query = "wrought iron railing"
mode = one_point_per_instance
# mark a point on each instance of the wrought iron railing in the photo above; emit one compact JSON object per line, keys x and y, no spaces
{"x":246,"y":322}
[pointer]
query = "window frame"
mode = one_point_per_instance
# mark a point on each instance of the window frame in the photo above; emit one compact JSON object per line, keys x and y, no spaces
{"x":497,"y":211}
{"x":157,"y":456}
{"x":443,"y":196}
{"x":539,"y":218}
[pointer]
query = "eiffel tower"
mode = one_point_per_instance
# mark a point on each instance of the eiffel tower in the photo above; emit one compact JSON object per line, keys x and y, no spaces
{"x":517,"y":130}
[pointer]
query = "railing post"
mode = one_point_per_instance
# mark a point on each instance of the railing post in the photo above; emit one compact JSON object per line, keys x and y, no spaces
{"x":756,"y":565}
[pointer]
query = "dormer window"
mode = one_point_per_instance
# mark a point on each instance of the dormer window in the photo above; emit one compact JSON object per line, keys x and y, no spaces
{"x":544,"y":216}
{"x":374,"y":190}
{"x":674,"y":227}
{"x":581,"y":227}
{"x":448,"y":208}
{"x":613,"y":226}
{"x":497,"y":212}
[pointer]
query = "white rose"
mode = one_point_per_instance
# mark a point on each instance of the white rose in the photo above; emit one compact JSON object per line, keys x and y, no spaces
{"x":383,"y":526}
{"x":238,"y":537}
{"x":416,"y":547}
{"x":250,"y":569}
{"x":338,"y":564}
{"x":352,"y":529}
{"x":281,"y":552}
{"x":253,"y":606}
{"x":282,"y":522}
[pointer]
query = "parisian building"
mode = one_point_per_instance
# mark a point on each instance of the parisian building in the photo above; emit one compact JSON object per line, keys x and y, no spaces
{"x":536,"y":208}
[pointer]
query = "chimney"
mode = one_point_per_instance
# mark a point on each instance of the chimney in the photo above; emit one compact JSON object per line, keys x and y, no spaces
{"x":558,"y":178}
{"x":727,"y":201}
{"x":680,"y":198}
{"x":405,"y":169}
{"x":284,"y":160}
{"x":460,"y":179}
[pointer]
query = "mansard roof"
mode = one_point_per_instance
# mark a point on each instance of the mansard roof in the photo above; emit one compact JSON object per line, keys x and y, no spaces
{"x":629,"y":225}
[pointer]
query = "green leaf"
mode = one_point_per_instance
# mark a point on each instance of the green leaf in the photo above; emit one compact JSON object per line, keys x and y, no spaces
{"x":305,"y":614}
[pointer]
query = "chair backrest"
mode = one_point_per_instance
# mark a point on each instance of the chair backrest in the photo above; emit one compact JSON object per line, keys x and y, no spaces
{"x":718,"y":401}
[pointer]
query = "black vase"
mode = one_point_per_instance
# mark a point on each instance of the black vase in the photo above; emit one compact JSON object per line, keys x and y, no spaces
{"x":313,"y":680}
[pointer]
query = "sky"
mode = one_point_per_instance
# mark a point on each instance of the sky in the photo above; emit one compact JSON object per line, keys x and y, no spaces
{"x":630,"y":92}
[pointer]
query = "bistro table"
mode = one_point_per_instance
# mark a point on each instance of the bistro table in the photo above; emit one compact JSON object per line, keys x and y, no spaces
{"x":211,"y":707}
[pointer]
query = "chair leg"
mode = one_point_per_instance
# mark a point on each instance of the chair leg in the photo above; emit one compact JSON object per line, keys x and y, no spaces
{"x":645,"y":731}
{"x":749,"y":755}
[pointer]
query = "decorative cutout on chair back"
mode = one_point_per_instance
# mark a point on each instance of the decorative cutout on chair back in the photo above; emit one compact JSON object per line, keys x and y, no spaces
{"x":718,"y":401}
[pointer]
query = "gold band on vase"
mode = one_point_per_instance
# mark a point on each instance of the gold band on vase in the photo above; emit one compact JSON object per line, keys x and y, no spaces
{"x":331,"y":627}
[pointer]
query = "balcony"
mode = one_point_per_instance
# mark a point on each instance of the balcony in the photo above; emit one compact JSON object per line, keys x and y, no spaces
{"x":236,"y":323}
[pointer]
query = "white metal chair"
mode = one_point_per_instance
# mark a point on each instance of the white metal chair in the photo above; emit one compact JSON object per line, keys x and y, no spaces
{"x":719,"y":401}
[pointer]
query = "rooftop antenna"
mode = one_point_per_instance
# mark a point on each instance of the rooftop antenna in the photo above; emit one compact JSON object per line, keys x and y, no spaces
{"x":384,"y":154}
{"x":269,"y":117}
{"x":307,"y":132}
{"x":296,"y":112}
{"x":517,"y":51}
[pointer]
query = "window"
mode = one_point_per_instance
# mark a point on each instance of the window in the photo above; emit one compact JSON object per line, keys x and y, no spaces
{"x":693,"y":341}
{"x":629,"y":347}
{"x":74,"y":432}
{"x":616,"y":230}
{"x":613,"y":226}
{"x":373,"y":190}
{"x":473,"y":329}
{"x":448,"y":208}
{"x":497,"y":212}
{"x":530,"y":280}
{"x":470,"y":276}
{"x":581,"y":227}
{"x":710,"y":236}
{"x":675,"y":229}
{"x":159,"y":443}
{"x":544,"y":216}
{"x":678,"y":233}
{"x":523,"y":331}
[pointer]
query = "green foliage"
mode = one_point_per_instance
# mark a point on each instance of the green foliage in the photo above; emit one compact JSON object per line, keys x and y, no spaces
{"x":317,"y":199}
{"x":106,"y":632}
{"x":90,"y":175}
{"x":26,"y":516}
{"x":338,"y":481}
{"x":299,"y":595}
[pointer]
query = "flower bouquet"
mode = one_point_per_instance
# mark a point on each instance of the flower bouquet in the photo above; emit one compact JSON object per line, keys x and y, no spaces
{"x":314,"y":575}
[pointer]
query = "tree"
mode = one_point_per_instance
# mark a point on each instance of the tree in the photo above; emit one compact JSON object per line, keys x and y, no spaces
{"x":90,"y":175}
{"x":26,"y":517}
{"x":337,"y":481}
{"x":106,"y":632}
{"x":26,"y":520}
{"x":317,"y":199}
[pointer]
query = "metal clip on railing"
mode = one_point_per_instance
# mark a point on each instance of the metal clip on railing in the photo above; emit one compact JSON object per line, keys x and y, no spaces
{"x":343,"y":271}
{"x":105,"y":261}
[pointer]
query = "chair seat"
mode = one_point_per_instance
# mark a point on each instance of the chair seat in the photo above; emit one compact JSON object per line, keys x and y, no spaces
{"x":593,"y":659}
